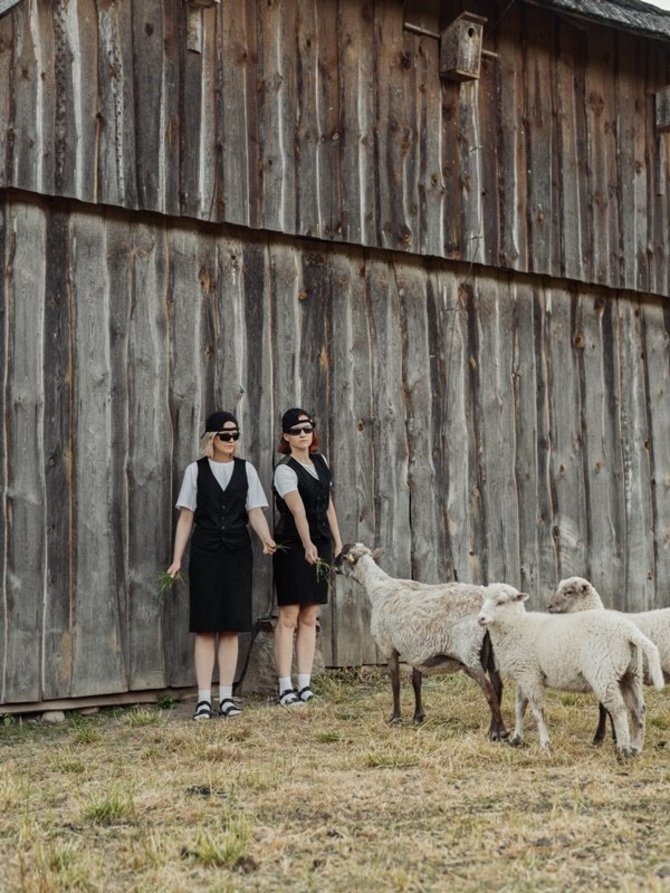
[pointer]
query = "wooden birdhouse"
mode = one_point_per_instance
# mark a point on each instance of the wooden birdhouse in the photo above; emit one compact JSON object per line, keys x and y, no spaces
{"x":461,"y":47}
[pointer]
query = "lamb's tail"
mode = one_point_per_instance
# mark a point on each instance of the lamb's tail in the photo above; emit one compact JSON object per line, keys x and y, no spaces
{"x":652,"y":659}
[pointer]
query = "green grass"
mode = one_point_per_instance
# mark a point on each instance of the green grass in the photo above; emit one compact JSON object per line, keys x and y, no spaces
{"x":331,"y":798}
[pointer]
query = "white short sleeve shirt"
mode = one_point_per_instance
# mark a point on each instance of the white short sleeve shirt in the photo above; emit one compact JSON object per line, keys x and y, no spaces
{"x":222,"y":471}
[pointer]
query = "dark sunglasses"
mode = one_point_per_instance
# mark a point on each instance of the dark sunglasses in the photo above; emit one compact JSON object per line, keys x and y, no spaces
{"x":301,"y":429}
{"x":227,"y":436}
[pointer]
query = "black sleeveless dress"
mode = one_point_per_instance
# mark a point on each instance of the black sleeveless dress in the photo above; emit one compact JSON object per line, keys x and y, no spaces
{"x":296,"y":581}
{"x":220,"y":564}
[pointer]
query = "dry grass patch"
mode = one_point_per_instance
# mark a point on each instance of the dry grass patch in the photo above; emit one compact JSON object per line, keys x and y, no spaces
{"x":330,"y":797}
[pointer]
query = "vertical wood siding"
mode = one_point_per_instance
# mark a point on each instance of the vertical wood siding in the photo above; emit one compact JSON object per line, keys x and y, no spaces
{"x":480,"y":427}
{"x":329,"y":119}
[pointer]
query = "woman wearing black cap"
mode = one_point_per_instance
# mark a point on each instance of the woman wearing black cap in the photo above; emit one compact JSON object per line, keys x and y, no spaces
{"x":307,"y":525}
{"x":220,"y":495}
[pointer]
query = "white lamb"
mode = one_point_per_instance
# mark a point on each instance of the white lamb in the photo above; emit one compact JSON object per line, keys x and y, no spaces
{"x":595,"y":650}
{"x":577,"y":594}
{"x":426,"y":626}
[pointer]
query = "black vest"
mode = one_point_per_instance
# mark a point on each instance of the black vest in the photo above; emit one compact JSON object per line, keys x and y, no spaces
{"x":315,"y":495}
{"x":221,"y":515}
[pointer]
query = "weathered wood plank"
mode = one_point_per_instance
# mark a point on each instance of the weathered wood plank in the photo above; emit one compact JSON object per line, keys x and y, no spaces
{"x":148,"y":455}
{"x":495,"y":408}
{"x":632,"y":173}
{"x":117,"y":174}
{"x":394,"y":130}
{"x":6,"y":99}
{"x":97,"y":658}
{"x":148,"y":54}
{"x":258,"y":408}
{"x":277,"y":104}
{"x":431,"y":185}
{"x":566,"y":467}
{"x":601,"y":438}
{"x":511,"y":143}
{"x":239,"y":138}
{"x":602,"y":154}
{"x":527,"y":407}
{"x":389,"y":426}
{"x":346,"y":637}
{"x":542,"y":202}
{"x":6,"y":255}
{"x":59,"y":397}
{"x":188,"y":410}
{"x":24,"y":528}
{"x":425,"y":516}
{"x":575,"y":226}
{"x":489,"y":195}
{"x":357,"y":114}
{"x":656,"y":332}
{"x":639,"y":581}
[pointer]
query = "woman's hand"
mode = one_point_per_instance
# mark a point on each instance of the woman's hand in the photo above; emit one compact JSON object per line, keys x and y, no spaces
{"x":174,"y":568}
{"x":311,"y":554}
{"x":269,"y":546}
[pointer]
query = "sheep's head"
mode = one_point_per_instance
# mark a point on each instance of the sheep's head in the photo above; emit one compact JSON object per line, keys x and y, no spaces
{"x":499,"y":598}
{"x":572,"y":594}
{"x":351,"y":554}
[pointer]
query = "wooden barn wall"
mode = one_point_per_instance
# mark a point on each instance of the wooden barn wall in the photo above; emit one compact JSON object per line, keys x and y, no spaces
{"x":327,"y":118}
{"x":480,"y":426}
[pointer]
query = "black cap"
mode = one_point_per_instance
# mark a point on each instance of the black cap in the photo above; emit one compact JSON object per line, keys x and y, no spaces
{"x":292,"y":417}
{"x":217,"y":420}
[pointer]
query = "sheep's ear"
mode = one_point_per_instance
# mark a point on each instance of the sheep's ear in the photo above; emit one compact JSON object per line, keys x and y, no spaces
{"x":378,"y":553}
{"x":584,"y":588}
{"x":350,"y":558}
{"x":522,"y":597}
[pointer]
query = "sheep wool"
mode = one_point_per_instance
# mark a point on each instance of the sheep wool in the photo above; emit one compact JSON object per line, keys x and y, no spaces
{"x":426,"y":626}
{"x":597,"y":650}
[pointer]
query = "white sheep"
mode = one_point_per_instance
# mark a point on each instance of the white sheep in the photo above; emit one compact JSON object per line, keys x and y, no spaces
{"x":577,"y":594}
{"x":595,"y":650}
{"x":426,"y":626}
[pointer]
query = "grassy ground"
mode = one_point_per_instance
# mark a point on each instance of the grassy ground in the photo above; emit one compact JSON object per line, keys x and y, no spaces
{"x":329,"y":797}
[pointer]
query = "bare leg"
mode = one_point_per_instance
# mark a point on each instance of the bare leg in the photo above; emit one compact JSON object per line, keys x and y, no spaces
{"x":599,"y":736}
{"x":394,"y":668}
{"x":417,"y":678}
{"x":227,"y":657}
{"x":283,"y":638}
{"x":305,"y":643}
{"x":204,"y":655}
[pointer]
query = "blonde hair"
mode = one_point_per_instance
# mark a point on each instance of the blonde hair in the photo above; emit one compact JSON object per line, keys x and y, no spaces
{"x":206,"y":446}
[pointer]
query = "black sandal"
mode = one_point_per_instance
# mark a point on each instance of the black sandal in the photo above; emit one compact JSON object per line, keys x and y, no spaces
{"x":306,"y":694}
{"x":289,"y":698}
{"x":203,"y":710}
{"x":228,"y":708}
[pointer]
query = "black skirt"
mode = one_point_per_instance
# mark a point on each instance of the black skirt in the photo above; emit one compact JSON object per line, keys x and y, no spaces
{"x":300,"y":583}
{"x":220,"y":589}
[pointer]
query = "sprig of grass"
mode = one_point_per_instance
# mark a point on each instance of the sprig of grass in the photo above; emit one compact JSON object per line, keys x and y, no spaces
{"x":166,"y":583}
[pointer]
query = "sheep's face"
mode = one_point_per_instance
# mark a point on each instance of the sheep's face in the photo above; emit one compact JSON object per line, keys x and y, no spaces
{"x":569,"y":596}
{"x":350,"y":555}
{"x":499,"y":598}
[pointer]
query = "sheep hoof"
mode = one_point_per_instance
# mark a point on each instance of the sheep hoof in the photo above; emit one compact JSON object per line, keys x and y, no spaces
{"x":598,"y":740}
{"x":498,"y":735}
{"x":516,"y":741}
{"x":395,"y":719}
{"x":418,"y":718}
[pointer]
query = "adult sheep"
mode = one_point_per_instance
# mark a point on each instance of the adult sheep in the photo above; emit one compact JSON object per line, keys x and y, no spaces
{"x":578,"y":594}
{"x":426,"y":626}
{"x":597,"y":651}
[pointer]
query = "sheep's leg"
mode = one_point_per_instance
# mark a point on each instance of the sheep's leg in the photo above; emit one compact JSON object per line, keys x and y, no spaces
{"x":520,"y":704}
{"x":599,"y":736}
{"x":497,"y":728}
{"x":417,"y":678}
{"x":394,"y":668}
{"x":631,"y":689}
{"x":612,"y":700}
{"x":543,"y":731}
